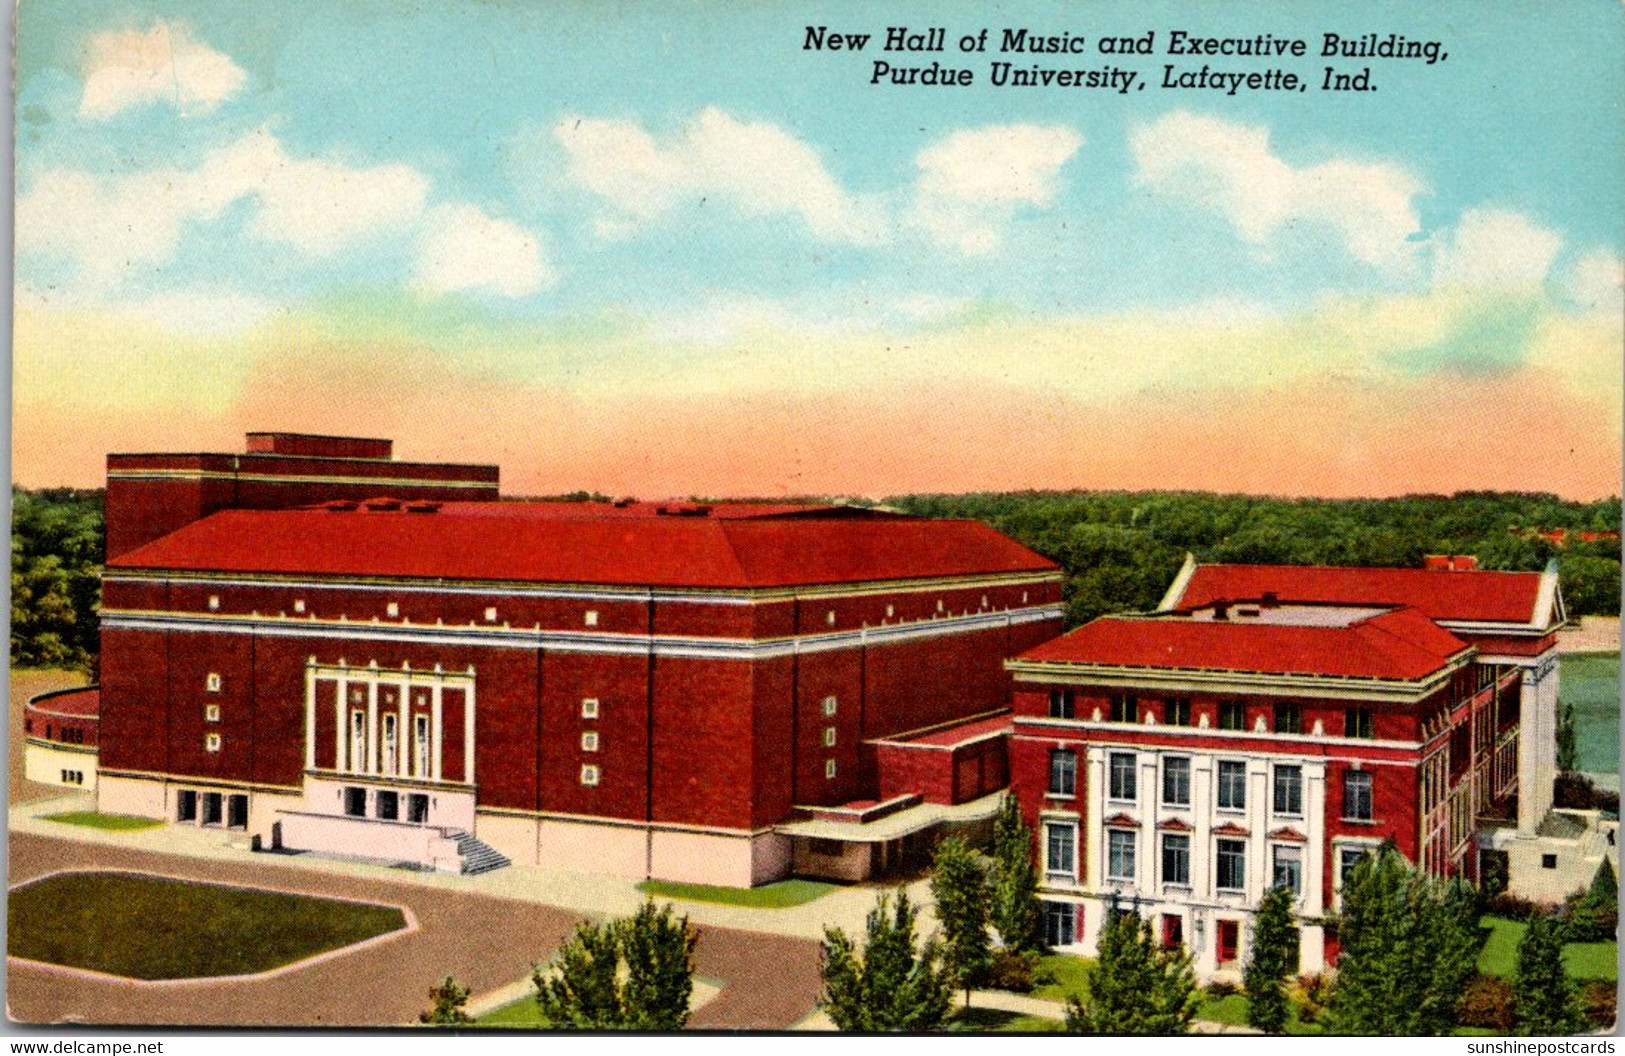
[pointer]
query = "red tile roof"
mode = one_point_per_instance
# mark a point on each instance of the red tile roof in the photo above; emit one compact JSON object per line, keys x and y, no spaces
{"x":1497,"y":597}
{"x":82,"y":703}
{"x":1397,"y":644}
{"x":541,"y":543}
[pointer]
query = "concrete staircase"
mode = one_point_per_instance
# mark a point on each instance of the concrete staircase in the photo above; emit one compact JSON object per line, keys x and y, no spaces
{"x":477,"y":855}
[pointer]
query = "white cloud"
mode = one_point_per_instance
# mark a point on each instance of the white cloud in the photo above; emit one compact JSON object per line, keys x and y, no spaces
{"x":106,"y":224}
{"x":462,"y":248}
{"x":1497,"y":248}
{"x":755,"y":168}
{"x":1232,"y":169}
{"x":130,"y":68}
{"x":1597,"y":282}
{"x":972,"y":181}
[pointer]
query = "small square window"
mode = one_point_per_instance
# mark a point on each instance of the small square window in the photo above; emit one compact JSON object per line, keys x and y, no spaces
{"x":211,"y":742}
{"x":299,"y":605}
{"x":211,"y":713}
{"x":589,"y":708}
{"x":890,"y":611}
{"x":212,"y":683}
{"x":1548,"y":861}
{"x":829,"y":769}
{"x":829,"y":617}
{"x":590,"y":617}
{"x":589,"y":776}
{"x":214,"y":602}
{"x":830,"y":704}
{"x":589,"y":741}
{"x":939,"y":604}
{"x":829,"y":736}
{"x":490,"y":614}
{"x":392,"y":609}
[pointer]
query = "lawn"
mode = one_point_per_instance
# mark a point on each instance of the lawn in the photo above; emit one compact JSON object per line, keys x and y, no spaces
{"x":781,"y":895}
{"x":998,"y":1021}
{"x":1065,"y":976}
{"x":523,"y":1013}
{"x":152,"y":927}
{"x":1584,"y":960}
{"x":110,"y":822}
{"x":1232,"y":1009}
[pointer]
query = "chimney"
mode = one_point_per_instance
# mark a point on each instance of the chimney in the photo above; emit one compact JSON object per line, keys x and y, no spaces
{"x":1269,"y":600}
{"x":1221,"y":610}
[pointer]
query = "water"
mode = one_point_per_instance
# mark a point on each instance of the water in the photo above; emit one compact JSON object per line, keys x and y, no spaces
{"x":1590,"y":682}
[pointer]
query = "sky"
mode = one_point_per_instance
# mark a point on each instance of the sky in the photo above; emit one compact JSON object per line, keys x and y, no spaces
{"x":670,"y":249}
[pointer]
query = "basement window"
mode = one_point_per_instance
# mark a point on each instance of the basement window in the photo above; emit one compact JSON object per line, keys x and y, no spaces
{"x":589,"y":708}
{"x":589,"y":776}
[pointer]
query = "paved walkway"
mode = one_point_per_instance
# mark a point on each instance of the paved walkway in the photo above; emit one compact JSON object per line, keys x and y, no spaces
{"x":1596,"y":634}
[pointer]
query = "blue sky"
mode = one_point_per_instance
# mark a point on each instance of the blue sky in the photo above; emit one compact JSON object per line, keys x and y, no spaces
{"x":643,"y":190}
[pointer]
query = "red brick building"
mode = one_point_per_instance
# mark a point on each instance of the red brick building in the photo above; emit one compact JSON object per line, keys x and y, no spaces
{"x":1272,"y":725}
{"x":332,"y":651}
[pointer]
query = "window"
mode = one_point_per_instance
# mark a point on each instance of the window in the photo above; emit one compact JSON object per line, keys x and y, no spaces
{"x":1288,"y":789}
{"x":1062,"y":704}
{"x":826,"y":848}
{"x":1357,"y":796}
{"x":1176,"y":858}
{"x":1177,"y":711}
{"x":1176,"y":781}
{"x":393,"y":609}
{"x":1120,"y":854}
{"x":1060,"y":923}
{"x":355,"y":802}
{"x":417,"y":808}
{"x":214,"y":602}
{"x":589,"y":741}
{"x":1227,"y":940}
{"x":1124,"y":708}
{"x":589,"y":776}
{"x":490,"y":615}
{"x":391,"y":745}
{"x":590,"y":617}
{"x":1232,"y":715}
{"x":1173,"y":931}
{"x":299,"y":605}
{"x":1348,"y":859}
{"x":186,"y":805}
{"x":1063,"y":772}
{"x":891,"y":610}
{"x":830,"y":706}
{"x":1232,"y":785}
{"x":212,"y":808}
{"x":589,"y":708}
{"x":1060,"y":849}
{"x":1548,"y":861}
{"x":1231,"y":860}
{"x":829,"y":617}
{"x":420,"y":746}
{"x":1122,"y":776}
{"x":1287,"y":869}
{"x":1357,"y":723}
{"x":829,"y":769}
{"x":358,"y":740}
{"x":211,"y":713}
{"x":1288,"y":718}
{"x":829,"y":736}
{"x":211,"y":742}
{"x":212,"y":683}
{"x":388,"y":805}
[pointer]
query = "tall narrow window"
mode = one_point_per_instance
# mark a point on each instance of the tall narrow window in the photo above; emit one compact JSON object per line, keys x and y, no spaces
{"x":1176,"y":781}
{"x":1060,"y":854}
{"x":1060,"y":923}
{"x":1063,"y":772}
{"x":1288,"y":718}
{"x":1357,"y":723}
{"x":1230,"y":860}
{"x":1357,"y":805}
{"x":1232,"y":785}
{"x":1123,"y":784}
{"x":391,"y":744}
{"x":1177,"y":711}
{"x":358,"y":741}
{"x":1125,"y":708}
{"x":1288,"y":869}
{"x":1176,"y":858}
{"x":1232,"y":715}
{"x":1061,"y":704}
{"x":1288,"y":789}
{"x":420,"y":746}
{"x":1120,"y":847}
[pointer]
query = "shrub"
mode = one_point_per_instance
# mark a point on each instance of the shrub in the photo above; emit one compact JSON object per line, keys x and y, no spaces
{"x":1513,"y":907}
{"x":1222,"y":988}
{"x":1601,"y":1002}
{"x":1576,"y":792}
{"x":1014,"y":970}
{"x":1486,"y":1002}
{"x":1314,"y":988}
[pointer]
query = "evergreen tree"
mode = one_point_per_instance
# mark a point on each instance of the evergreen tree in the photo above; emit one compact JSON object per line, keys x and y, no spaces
{"x":659,"y":952}
{"x":1016,"y":911}
{"x":1567,"y":757}
{"x":580,"y":989}
{"x":449,"y":1000}
{"x":1138,"y":987}
{"x":889,"y":986}
{"x":1596,"y":915}
{"x":960,"y":887}
{"x":1272,"y":960}
{"x":1544,"y":1002}
{"x":1408,"y":947}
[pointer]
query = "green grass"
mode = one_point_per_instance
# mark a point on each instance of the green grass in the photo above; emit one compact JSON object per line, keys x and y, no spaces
{"x":1066,"y":976}
{"x":151,"y":927}
{"x":781,"y":895}
{"x":1232,"y":1009}
{"x":1584,"y":960}
{"x":110,"y":822}
{"x":998,"y":1021}
{"x":522,"y":1013}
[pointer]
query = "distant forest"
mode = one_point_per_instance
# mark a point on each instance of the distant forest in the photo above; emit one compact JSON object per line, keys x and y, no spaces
{"x":1120,"y":550}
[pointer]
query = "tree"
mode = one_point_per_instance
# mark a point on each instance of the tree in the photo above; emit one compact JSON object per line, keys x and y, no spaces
{"x":1544,"y":1001}
{"x":1408,"y":947}
{"x":1273,"y":959}
{"x":1138,"y":987}
{"x":1016,"y":911}
{"x":960,"y":887}
{"x":1595,"y":917}
{"x":636,"y":973}
{"x":449,"y":1000}
{"x":1567,"y":757}
{"x":889,"y":986}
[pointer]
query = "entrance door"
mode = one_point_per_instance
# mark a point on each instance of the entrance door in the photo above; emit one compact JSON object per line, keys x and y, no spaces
{"x":1229,"y":938}
{"x":237,"y":812}
{"x":417,"y":808}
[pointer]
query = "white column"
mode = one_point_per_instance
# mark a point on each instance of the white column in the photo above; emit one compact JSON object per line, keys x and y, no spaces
{"x":1259,"y":805}
{"x":1145,"y":838}
{"x":434,"y":733}
{"x":1094,"y":871}
{"x":1537,"y":743}
{"x":310,"y":716}
{"x":1314,"y":852}
{"x":1202,"y":837}
{"x":372,"y":725}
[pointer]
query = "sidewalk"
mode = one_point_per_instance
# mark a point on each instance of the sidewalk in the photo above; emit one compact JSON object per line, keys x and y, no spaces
{"x":1021,"y":1004}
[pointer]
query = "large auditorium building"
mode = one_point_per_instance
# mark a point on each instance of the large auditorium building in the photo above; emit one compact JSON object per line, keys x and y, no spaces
{"x":328,"y":650}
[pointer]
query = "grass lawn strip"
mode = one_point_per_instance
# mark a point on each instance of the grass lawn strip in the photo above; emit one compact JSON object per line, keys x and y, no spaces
{"x":781,"y":895}
{"x":1583,"y":960}
{"x":1068,"y":976}
{"x":151,"y":927}
{"x":110,"y":822}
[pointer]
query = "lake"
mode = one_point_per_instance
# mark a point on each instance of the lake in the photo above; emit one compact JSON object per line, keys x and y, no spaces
{"x":1590,"y":682}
